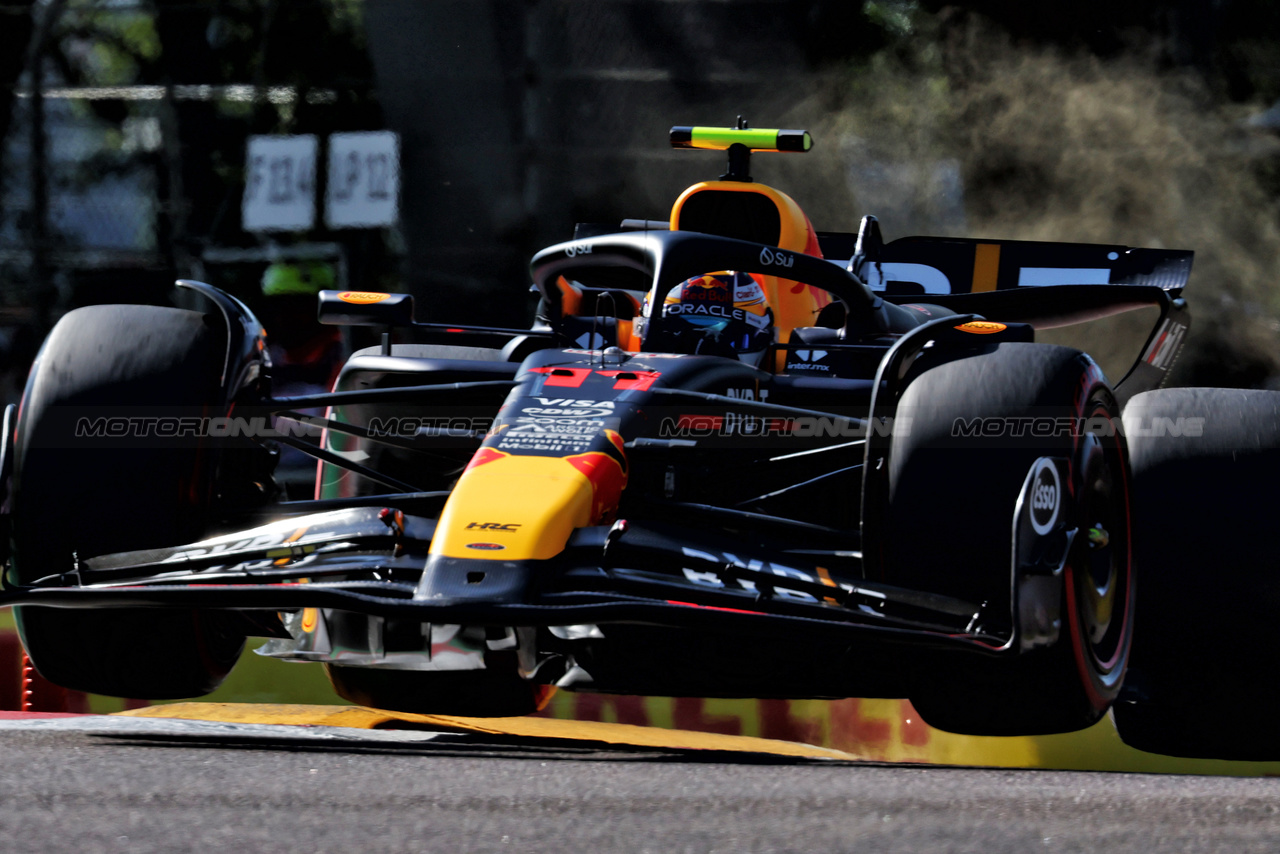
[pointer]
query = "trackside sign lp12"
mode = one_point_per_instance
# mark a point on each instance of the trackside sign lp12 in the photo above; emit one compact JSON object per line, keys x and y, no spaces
{"x":362,"y":182}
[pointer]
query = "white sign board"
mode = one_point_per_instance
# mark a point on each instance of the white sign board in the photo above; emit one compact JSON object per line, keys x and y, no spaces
{"x":279,"y":190}
{"x":364,"y":180}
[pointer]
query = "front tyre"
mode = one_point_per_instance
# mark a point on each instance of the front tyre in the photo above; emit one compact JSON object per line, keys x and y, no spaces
{"x":78,"y":496}
{"x":952,"y":500}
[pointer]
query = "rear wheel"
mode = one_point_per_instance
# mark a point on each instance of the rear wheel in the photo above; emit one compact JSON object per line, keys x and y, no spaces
{"x":1205,"y":678}
{"x":75,"y":495}
{"x":950,"y":522}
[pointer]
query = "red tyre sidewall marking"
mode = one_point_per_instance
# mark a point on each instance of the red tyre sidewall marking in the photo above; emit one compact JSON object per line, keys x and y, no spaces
{"x":1080,"y":645}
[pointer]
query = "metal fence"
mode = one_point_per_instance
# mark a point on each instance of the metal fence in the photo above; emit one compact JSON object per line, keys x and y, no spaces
{"x":100,"y":168}
{"x":100,"y":180}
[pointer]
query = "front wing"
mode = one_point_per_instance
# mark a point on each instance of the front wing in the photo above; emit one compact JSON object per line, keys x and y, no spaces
{"x":655,"y":573}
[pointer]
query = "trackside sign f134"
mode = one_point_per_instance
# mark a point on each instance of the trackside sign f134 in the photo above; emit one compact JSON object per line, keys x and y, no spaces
{"x":362,"y":187}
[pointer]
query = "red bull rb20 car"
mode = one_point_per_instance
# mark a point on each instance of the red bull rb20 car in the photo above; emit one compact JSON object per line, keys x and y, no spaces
{"x":733,"y":457}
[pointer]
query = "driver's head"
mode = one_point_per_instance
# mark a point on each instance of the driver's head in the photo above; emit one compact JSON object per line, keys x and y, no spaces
{"x":717,"y":314}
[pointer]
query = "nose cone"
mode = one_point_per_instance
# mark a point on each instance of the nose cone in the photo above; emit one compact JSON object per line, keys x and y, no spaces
{"x":511,"y":507}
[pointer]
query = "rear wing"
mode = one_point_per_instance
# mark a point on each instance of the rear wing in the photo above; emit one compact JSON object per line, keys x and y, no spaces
{"x":927,"y":266}
{"x":1041,"y":284}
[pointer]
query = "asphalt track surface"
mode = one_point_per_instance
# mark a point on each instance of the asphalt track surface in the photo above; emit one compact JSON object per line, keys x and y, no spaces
{"x":326,"y":789}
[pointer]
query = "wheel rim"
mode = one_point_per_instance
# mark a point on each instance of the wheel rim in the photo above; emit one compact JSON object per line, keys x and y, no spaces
{"x":1100,"y":585}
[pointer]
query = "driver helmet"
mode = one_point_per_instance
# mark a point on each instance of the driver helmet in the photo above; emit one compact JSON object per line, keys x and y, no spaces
{"x":718,"y":314}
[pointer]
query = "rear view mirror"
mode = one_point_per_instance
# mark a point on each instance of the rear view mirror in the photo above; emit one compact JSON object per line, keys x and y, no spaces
{"x":365,"y":308}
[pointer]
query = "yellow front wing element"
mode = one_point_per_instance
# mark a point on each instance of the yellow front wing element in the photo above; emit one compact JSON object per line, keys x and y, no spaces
{"x":508,"y":507}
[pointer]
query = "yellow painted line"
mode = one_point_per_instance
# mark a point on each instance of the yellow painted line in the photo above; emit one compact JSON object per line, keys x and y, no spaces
{"x":531,"y":727}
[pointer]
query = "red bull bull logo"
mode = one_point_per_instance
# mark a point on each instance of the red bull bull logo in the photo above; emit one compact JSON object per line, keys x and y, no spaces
{"x":607,"y":472}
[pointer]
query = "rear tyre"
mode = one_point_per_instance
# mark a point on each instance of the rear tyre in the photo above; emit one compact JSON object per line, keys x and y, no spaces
{"x":489,"y":693}
{"x":951,"y":511}
{"x":1205,"y":675}
{"x":74,"y":495}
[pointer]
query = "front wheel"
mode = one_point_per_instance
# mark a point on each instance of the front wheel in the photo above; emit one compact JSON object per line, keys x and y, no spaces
{"x":952,"y":500}
{"x":79,"y":496}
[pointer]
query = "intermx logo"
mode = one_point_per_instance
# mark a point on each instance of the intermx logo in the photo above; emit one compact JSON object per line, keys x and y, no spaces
{"x":807,"y":360}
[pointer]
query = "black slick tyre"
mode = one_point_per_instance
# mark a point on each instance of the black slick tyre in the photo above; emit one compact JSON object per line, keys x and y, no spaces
{"x":76,"y":495}
{"x":951,"y":509}
{"x":1205,"y":675}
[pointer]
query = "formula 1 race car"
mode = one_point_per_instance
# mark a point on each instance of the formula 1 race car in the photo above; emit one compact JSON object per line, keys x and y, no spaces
{"x":733,"y":457}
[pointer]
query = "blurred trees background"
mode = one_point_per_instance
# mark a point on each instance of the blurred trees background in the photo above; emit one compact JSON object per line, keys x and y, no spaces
{"x":1142,"y":123}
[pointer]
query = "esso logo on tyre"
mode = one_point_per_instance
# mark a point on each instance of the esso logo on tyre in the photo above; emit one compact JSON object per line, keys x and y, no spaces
{"x":1046,"y":496}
